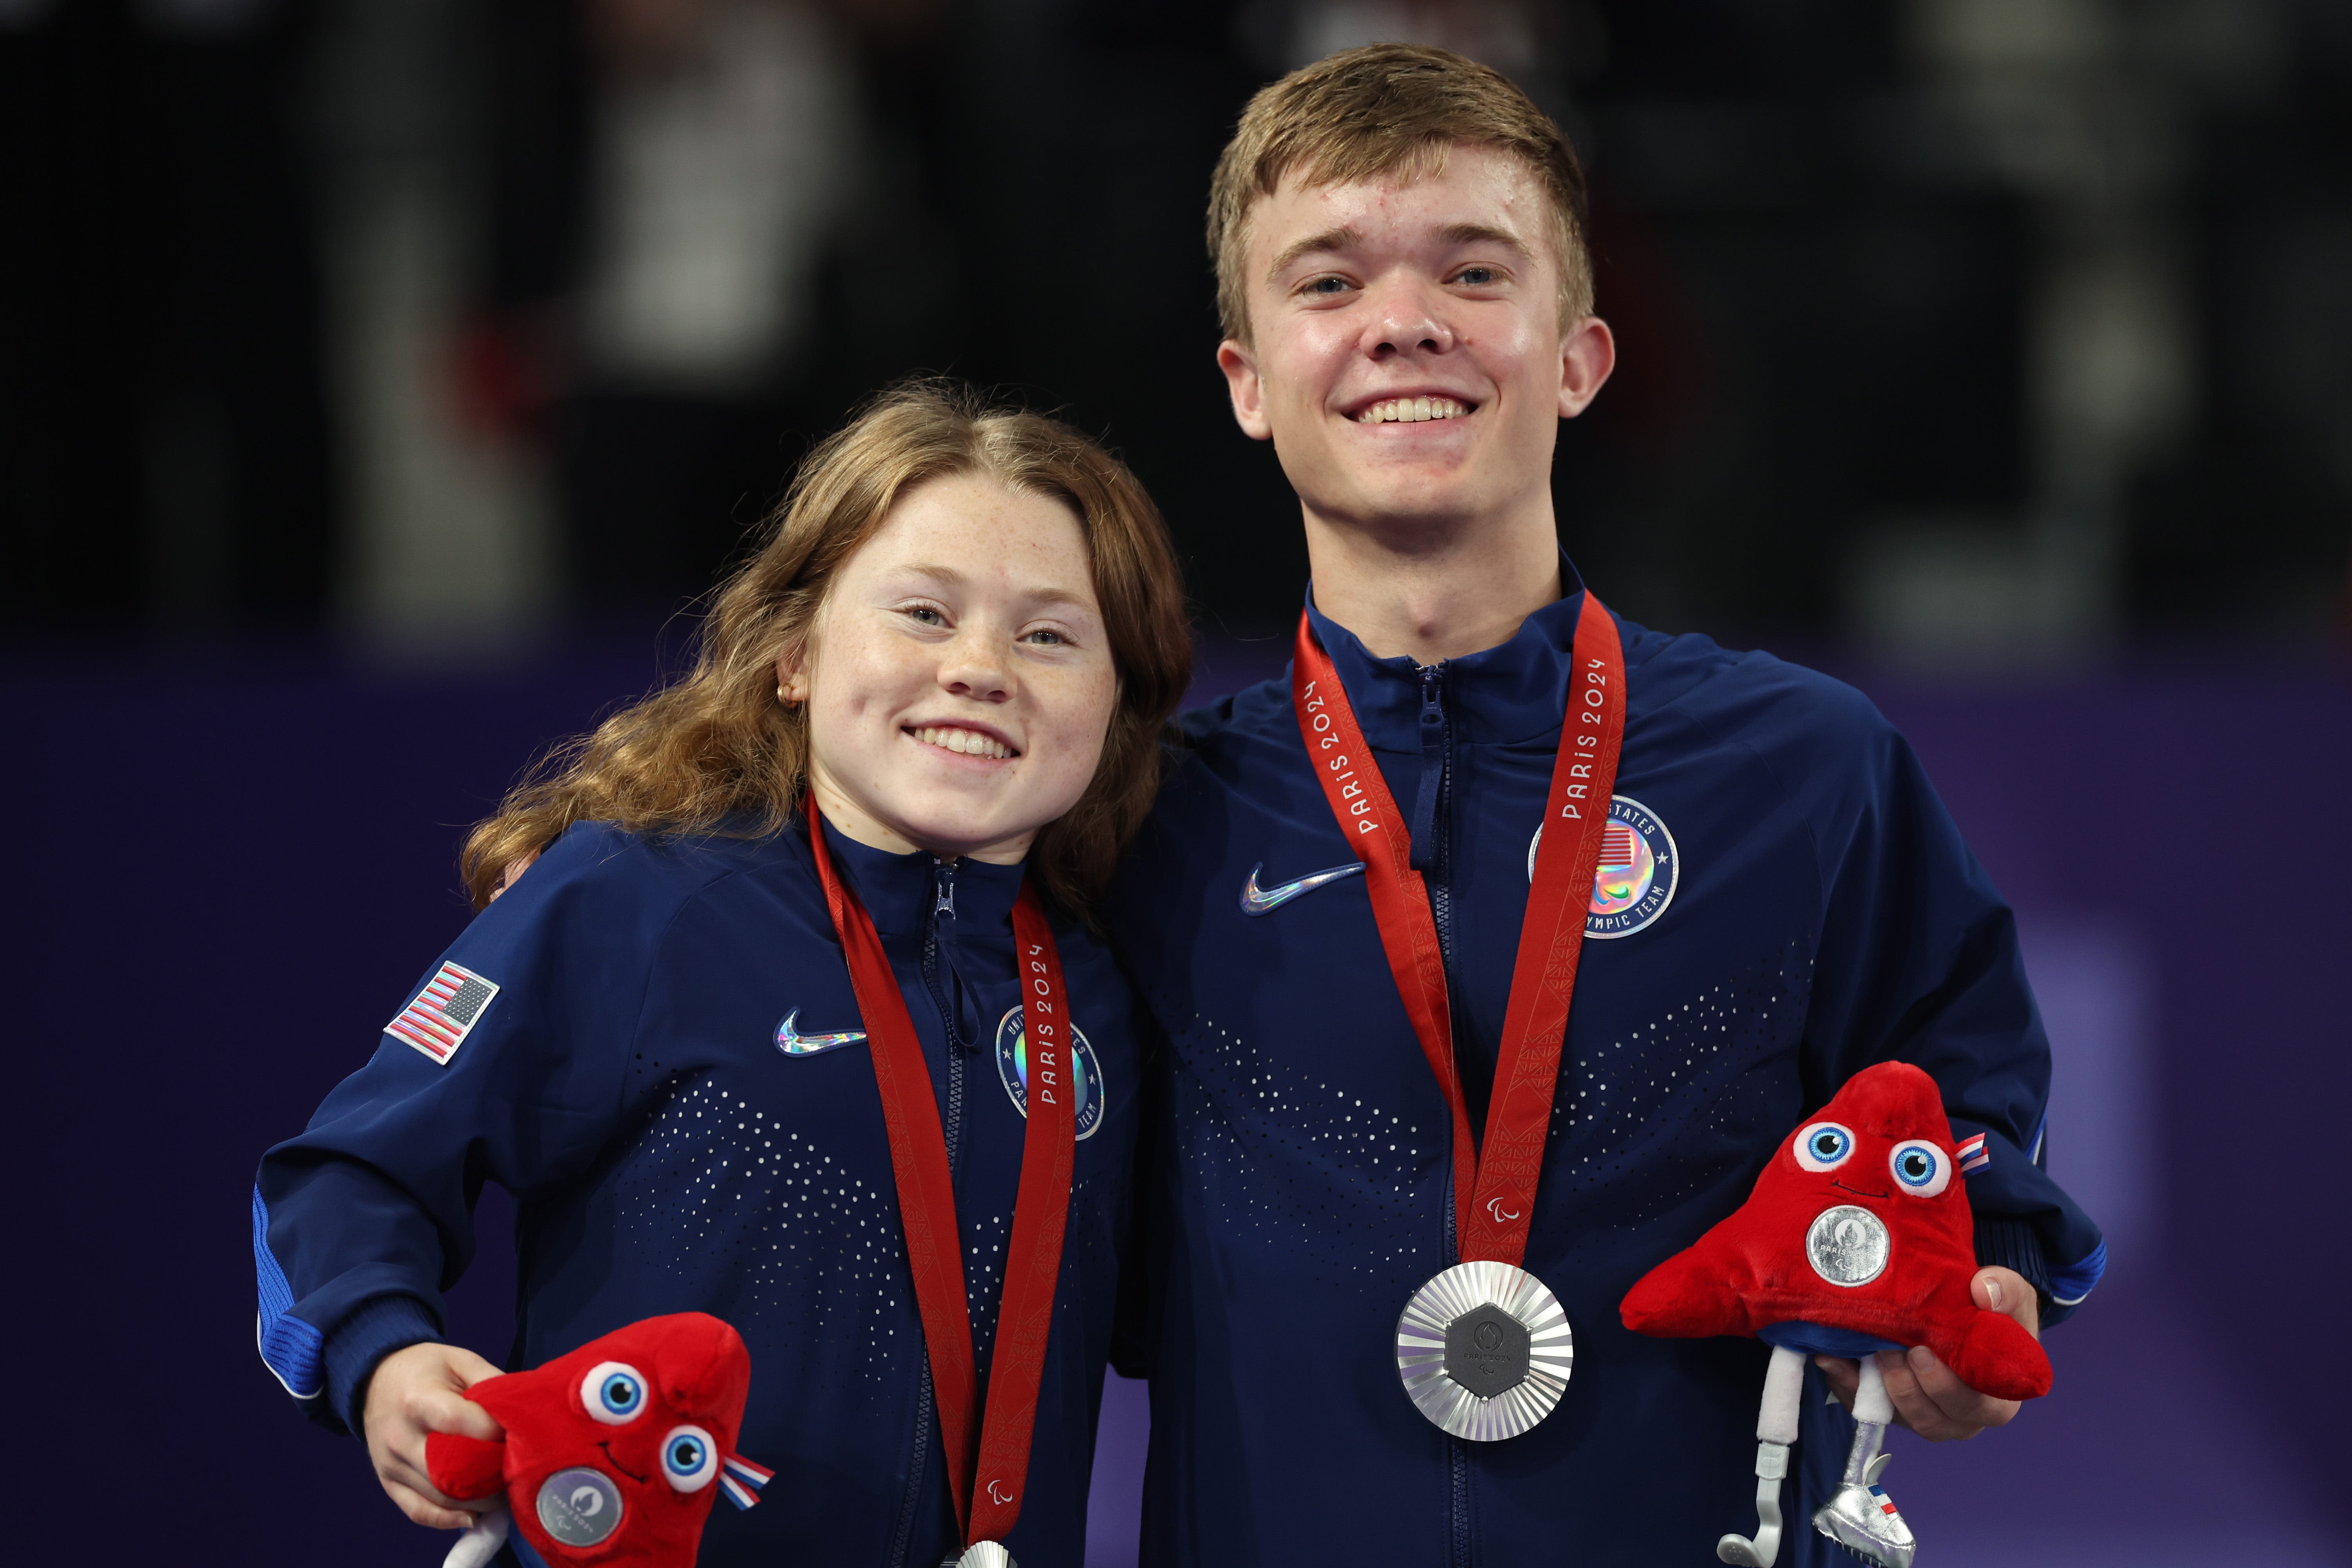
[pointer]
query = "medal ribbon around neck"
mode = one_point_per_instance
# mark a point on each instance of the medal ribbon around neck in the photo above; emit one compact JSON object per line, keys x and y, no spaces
{"x":988,"y":1460}
{"x":1494,"y":1192}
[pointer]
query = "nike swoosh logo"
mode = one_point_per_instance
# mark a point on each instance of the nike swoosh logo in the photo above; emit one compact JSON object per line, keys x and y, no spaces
{"x":1257,"y":900}
{"x":792,"y":1043}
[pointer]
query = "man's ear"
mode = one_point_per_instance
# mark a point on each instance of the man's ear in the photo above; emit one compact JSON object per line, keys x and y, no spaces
{"x":1587,"y":354}
{"x":1243,"y":385}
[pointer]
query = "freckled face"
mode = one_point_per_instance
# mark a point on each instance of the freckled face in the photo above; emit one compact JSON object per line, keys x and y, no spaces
{"x":959,"y":679}
{"x":1407,"y":358}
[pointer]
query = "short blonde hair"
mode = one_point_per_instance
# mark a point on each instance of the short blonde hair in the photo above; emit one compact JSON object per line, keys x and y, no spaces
{"x":716,"y":752}
{"x":1385,"y":108}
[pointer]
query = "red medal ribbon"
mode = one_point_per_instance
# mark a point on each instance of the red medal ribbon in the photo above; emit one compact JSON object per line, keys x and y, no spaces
{"x":988,"y":1459}
{"x":1493,"y":1190}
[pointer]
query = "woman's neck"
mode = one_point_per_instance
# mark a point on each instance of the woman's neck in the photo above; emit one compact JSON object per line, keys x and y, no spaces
{"x":859,"y":825}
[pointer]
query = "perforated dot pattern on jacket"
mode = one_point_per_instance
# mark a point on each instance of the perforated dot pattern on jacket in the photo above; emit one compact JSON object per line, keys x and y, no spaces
{"x":711,"y":1185}
{"x":1313,"y":1165}
{"x":1307,"y":1163}
{"x":1630,"y":1109}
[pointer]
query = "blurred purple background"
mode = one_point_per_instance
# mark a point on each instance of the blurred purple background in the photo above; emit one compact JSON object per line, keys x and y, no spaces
{"x":227,"y":863}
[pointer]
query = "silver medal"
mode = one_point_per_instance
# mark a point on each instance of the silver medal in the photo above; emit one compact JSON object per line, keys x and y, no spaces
{"x":1485,"y":1350}
{"x":579,"y":1507}
{"x":983,"y":1555}
{"x":1848,"y":1246}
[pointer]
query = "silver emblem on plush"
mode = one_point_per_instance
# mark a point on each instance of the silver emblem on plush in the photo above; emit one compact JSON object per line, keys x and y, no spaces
{"x":1848,"y":1246}
{"x":579,"y":1507}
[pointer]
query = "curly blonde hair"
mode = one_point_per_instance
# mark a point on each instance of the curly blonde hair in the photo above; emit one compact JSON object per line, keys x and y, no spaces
{"x":716,"y":752}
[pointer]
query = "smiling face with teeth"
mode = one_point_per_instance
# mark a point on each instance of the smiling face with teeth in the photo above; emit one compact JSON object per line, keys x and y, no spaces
{"x":959,"y":680}
{"x":1407,"y":356}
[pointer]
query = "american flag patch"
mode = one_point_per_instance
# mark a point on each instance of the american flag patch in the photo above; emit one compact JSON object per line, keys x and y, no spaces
{"x":1617,"y":850}
{"x":445,"y":1011}
{"x":1972,"y":1155}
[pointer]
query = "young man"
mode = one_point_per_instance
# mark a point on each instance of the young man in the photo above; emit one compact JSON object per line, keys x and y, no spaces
{"x":1771,"y":899}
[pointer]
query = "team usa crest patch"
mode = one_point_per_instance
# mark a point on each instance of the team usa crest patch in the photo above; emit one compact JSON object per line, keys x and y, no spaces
{"x":445,"y":1011}
{"x":1639,"y":870}
{"x":1012,"y":1067}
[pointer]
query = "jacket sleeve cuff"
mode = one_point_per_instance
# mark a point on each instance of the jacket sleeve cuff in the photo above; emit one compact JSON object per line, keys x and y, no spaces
{"x":376,"y":1329}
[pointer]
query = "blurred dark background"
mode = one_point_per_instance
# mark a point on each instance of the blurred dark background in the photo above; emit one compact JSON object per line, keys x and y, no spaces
{"x":380,"y":379}
{"x":1952,"y":327}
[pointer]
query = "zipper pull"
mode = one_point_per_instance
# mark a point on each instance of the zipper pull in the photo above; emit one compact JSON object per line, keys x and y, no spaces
{"x":1432,"y":764}
{"x":942,"y":888}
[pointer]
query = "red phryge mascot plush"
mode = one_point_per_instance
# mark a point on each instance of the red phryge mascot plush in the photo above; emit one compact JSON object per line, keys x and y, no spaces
{"x":612,"y":1454}
{"x":1857,"y":1238}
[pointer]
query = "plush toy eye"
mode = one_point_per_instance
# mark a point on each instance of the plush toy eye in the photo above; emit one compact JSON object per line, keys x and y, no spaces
{"x":1920,"y":1168}
{"x":614,"y":1392}
{"x":1824,"y":1146}
{"x":689,"y":1459}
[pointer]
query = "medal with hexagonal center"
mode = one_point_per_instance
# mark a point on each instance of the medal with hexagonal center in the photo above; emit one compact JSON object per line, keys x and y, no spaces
{"x":1487,"y":1351}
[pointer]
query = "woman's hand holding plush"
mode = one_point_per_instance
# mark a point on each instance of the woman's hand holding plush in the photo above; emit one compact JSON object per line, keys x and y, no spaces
{"x":414,"y":1392}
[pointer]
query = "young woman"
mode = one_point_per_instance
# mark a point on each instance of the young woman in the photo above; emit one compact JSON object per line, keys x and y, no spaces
{"x":735,"y":1058}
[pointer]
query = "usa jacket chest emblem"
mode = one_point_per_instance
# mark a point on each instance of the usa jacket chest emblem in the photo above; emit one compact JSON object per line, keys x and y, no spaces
{"x":1012,"y":1070}
{"x":1640,"y":868}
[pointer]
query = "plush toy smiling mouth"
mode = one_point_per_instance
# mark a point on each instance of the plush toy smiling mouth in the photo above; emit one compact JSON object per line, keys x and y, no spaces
{"x":1859,"y":1192}
{"x":620,"y":1466}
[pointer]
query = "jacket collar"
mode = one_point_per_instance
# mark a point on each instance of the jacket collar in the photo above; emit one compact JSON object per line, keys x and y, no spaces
{"x":899,"y":891}
{"x":1516,"y":690}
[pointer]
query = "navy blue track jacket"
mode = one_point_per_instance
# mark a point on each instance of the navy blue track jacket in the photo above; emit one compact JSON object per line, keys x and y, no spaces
{"x":1810,"y":910}
{"x":626,"y":1083}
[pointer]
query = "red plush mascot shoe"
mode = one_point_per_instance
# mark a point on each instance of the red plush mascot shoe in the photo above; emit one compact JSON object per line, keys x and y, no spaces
{"x":613,"y":1453}
{"x":1857,"y":1238}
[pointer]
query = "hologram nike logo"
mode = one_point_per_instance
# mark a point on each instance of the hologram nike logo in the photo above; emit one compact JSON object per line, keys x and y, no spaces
{"x":1257,"y":900}
{"x":792,"y":1043}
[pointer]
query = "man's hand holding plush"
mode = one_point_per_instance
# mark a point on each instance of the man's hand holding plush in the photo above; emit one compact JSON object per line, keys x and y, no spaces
{"x":1929,"y":1397}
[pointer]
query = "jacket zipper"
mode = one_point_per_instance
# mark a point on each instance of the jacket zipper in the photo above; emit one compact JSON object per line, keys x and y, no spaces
{"x":915,"y":1467}
{"x":1429,"y":832}
{"x":942,"y":907}
{"x":943,"y":986}
{"x":1433,"y":854}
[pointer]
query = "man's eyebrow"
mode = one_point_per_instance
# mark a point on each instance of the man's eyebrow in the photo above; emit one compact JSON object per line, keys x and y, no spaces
{"x":1486,"y":234}
{"x":1330,"y":239}
{"x":1342,"y":237}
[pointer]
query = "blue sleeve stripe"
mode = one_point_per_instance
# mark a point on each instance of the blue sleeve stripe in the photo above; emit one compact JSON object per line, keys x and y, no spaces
{"x":2069,"y":1285}
{"x":294,"y":1351}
